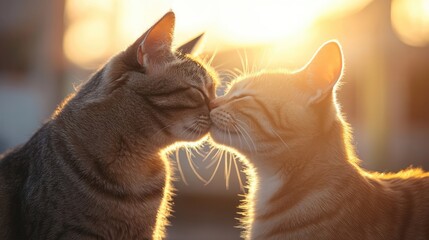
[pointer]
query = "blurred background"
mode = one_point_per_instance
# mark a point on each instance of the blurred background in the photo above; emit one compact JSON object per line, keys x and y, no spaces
{"x":48,"y":48}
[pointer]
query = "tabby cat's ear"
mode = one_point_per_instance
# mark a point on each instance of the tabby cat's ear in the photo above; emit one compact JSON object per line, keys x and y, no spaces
{"x":188,"y":47}
{"x":323,"y":71}
{"x":155,"y":46}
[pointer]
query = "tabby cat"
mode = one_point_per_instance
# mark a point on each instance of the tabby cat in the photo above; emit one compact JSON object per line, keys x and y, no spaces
{"x":95,"y":170}
{"x":306,"y":182}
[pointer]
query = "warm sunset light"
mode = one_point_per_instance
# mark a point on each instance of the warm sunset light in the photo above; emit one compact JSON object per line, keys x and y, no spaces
{"x":410,"y":19}
{"x":94,"y":46}
{"x":87,"y":39}
{"x":214,"y":119}
{"x":98,"y":29}
{"x":250,"y":22}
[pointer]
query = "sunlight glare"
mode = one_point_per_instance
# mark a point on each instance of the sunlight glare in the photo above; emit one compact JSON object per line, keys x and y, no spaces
{"x":251,"y":22}
{"x":410,"y":20}
{"x":83,"y":45}
{"x":134,"y":17}
{"x":193,"y":17}
{"x":97,"y":29}
{"x":87,"y":39}
{"x":77,"y":9}
{"x":255,"y":22}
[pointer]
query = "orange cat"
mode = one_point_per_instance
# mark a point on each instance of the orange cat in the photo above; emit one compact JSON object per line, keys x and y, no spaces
{"x":307,"y":184}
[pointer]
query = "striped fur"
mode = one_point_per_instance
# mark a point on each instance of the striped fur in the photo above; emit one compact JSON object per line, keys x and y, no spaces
{"x":95,"y":170}
{"x":306,"y":182}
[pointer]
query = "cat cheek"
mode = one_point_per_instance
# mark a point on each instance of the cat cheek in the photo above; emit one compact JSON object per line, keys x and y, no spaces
{"x":191,"y":128}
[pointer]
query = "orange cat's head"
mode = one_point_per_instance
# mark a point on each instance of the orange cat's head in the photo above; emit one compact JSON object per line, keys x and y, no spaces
{"x":276,"y":112}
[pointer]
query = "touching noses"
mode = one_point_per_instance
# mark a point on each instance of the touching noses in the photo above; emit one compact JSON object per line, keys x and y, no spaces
{"x":213,"y":104}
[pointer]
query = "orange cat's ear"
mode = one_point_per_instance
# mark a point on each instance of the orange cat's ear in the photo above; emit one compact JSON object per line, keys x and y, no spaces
{"x":156,"y":44}
{"x":188,"y":47}
{"x":323,"y":71}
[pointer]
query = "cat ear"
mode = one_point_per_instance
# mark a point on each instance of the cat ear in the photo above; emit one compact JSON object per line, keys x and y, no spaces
{"x":156,"y":44}
{"x":188,"y":47}
{"x":323,"y":71}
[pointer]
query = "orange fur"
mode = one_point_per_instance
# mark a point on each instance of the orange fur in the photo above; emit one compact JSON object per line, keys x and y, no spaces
{"x":306,"y":181}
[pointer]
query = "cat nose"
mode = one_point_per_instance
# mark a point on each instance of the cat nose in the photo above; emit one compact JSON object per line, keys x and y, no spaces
{"x":213,"y":104}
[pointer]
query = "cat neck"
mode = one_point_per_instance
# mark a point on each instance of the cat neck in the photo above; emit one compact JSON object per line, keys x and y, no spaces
{"x":110,"y":152}
{"x":102,"y":129}
{"x":330,"y":149}
{"x":305,"y":181}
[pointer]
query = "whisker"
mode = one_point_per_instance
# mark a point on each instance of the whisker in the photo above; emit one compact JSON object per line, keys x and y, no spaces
{"x":231,"y":156}
{"x":218,"y":66}
{"x":210,"y":152}
{"x":198,"y":151}
{"x":246,"y":59}
{"x":213,"y":56}
{"x":246,"y":125}
{"x":230,"y":72}
{"x":226,"y":171}
{"x":281,"y":139}
{"x":159,"y":131}
{"x":239,"y":71}
{"x":254,"y":67}
{"x":189,"y":155}
{"x":228,"y":162}
{"x":242,"y":135}
{"x":244,"y":62}
{"x":229,"y":136}
{"x":186,"y":130}
{"x":215,"y":170}
{"x":238,"y":174}
{"x":241,"y":62}
{"x":216,"y":157}
{"x":191,"y":164}
{"x":250,"y":138}
{"x":239,"y":135}
{"x":179,"y":166}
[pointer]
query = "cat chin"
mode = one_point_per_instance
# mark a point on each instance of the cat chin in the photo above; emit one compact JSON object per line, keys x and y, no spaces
{"x":191,"y":134}
{"x":195,"y":138}
{"x":190,"y":131}
{"x":222,"y":137}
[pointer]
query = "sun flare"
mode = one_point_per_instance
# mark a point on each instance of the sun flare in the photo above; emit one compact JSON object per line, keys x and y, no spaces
{"x":98,"y":29}
{"x":410,"y":19}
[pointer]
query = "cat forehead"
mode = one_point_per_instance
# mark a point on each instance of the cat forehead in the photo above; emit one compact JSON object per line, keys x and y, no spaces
{"x":262,"y":80}
{"x":191,"y":71}
{"x":274,"y":87}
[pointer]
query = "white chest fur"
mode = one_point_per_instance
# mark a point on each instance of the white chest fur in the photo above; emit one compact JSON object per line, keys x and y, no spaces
{"x":266,"y":188}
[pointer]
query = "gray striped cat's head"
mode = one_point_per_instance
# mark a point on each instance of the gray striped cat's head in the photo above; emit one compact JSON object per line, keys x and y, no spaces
{"x":151,"y":91}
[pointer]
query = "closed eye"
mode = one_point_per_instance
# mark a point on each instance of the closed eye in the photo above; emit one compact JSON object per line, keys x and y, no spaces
{"x":206,"y":98}
{"x":171,"y":92}
{"x":238,"y":97}
{"x":176,"y":99}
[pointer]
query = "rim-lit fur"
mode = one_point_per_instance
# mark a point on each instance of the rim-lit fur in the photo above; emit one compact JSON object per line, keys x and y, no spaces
{"x":95,"y":170}
{"x":307,"y":184}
